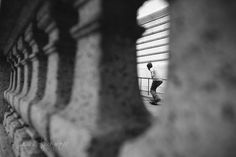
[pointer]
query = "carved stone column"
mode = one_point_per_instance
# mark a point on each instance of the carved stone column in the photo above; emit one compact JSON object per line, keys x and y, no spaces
{"x":23,"y":138}
{"x":55,"y":19}
{"x":10,"y":92}
{"x":27,"y":75}
{"x":20,"y":71}
{"x":14,"y":63}
{"x":37,"y":39}
{"x":6,"y":92}
{"x":105,"y":108}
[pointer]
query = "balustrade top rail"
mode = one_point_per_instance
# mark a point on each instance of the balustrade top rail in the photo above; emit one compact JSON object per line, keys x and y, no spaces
{"x":151,"y":78}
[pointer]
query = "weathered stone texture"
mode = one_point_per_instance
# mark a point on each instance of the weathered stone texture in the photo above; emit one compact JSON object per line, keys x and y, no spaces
{"x":73,"y":87}
{"x":98,"y":115}
{"x":199,"y":119}
{"x":61,"y":87}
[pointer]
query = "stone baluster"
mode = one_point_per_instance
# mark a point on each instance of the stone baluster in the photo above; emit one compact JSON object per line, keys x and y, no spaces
{"x":105,"y":107}
{"x":55,"y":19}
{"x":20,"y":71}
{"x":12,"y":123}
{"x":37,"y":39}
{"x":6,"y":93}
{"x":9,"y":60}
{"x":24,"y":140}
{"x":27,"y":68}
{"x":14,"y":58}
{"x":9,"y":116}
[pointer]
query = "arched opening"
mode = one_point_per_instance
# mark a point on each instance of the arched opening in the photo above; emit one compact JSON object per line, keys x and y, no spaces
{"x":153,"y":47}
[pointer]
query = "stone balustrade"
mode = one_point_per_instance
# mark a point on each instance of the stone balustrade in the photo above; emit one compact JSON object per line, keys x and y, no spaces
{"x":61,"y":97}
{"x":73,"y":88}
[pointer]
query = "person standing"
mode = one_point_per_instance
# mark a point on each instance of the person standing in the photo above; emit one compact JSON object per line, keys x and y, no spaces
{"x":155,"y":83}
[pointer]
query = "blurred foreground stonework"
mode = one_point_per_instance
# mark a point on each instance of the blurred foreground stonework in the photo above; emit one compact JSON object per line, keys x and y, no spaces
{"x":69,"y":88}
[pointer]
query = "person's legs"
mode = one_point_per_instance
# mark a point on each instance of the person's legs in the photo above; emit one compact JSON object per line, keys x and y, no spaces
{"x":154,"y":86}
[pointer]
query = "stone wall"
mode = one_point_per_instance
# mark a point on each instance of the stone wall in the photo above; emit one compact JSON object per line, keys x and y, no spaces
{"x":74,"y":92}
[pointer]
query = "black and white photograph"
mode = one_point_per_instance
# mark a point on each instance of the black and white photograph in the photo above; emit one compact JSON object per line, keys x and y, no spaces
{"x":117,"y":78}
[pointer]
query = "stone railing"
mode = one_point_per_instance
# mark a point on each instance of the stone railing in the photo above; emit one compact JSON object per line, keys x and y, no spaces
{"x":73,"y":68}
{"x":74,"y":90}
